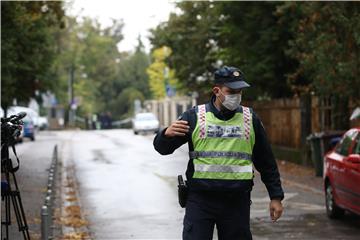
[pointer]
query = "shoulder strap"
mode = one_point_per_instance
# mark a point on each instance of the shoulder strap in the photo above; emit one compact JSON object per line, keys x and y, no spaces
{"x":247,"y":122}
{"x":14,"y":169}
{"x":202,"y":120}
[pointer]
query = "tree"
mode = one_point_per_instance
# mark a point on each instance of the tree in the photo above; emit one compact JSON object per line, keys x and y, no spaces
{"x":106,"y":80}
{"x":252,"y":38}
{"x":91,"y":53}
{"x":122,"y":105}
{"x":132,"y":71}
{"x":27,"y":47}
{"x":205,"y":36}
{"x":327,"y":46}
{"x":160,"y":75}
{"x":192,"y":37}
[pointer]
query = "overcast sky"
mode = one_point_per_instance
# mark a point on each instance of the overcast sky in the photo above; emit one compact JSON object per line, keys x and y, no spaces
{"x":138,"y":16}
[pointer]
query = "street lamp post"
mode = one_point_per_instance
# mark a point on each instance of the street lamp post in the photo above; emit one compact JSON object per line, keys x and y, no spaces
{"x":71,"y":97}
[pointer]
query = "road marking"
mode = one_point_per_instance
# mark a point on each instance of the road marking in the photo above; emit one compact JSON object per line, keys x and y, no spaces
{"x":260,"y":204}
{"x":267,"y":200}
{"x":290,"y":195}
{"x":306,"y":206}
{"x":301,"y":186}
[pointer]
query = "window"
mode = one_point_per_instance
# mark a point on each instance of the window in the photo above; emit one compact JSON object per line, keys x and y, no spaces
{"x":356,"y":149}
{"x":344,"y":145}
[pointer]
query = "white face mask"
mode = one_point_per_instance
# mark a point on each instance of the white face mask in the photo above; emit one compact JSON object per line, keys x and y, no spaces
{"x":232,"y":101}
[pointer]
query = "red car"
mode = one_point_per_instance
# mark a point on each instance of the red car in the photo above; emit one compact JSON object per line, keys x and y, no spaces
{"x":342,"y":176}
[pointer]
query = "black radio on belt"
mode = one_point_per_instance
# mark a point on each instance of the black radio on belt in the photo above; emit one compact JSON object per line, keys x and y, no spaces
{"x":182,"y":191}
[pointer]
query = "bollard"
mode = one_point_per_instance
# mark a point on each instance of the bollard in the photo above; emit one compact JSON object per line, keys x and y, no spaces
{"x":47,"y":208}
{"x":52,"y":198}
{"x":49,"y":192}
{"x":48,"y":201}
{"x":45,"y":223}
{"x":51,"y":179}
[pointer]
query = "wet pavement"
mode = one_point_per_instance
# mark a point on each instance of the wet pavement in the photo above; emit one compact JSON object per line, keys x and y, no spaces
{"x":129,"y":191}
{"x":32,"y":176}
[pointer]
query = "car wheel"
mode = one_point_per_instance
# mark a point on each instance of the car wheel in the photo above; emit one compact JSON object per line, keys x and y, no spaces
{"x":332,"y":210}
{"x":32,"y":138}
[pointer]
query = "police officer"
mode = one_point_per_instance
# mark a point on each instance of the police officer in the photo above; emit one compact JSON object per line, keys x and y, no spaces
{"x":225,"y":141}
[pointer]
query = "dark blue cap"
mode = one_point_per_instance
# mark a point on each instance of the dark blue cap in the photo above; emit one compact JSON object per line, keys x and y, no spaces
{"x":231,"y":77}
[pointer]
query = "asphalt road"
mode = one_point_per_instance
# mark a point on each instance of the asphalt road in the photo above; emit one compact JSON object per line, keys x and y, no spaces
{"x":129,"y":191}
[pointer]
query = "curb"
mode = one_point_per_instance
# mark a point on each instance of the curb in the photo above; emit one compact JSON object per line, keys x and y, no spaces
{"x":69,"y":184}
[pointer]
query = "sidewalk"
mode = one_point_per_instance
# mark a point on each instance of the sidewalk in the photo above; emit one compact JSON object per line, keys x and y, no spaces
{"x":32,"y":176}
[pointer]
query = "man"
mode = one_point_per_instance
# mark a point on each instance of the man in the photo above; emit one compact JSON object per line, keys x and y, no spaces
{"x":225,"y":141}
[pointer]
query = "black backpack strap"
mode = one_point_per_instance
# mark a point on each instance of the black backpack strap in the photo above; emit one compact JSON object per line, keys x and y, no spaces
{"x":14,"y":169}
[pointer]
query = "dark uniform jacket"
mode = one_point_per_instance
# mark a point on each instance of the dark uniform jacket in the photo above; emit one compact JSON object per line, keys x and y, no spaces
{"x":262,"y":157}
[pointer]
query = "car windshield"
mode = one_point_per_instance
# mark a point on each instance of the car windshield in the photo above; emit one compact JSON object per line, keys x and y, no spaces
{"x":145,"y":117}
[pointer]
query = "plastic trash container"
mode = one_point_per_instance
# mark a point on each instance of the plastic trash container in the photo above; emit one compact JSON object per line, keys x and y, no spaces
{"x":320,"y":144}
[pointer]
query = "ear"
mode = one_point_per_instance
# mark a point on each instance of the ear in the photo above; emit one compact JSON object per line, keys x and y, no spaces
{"x":216,"y":90}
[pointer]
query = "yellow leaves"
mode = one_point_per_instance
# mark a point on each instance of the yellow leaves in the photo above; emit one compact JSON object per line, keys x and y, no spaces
{"x":73,"y":217}
{"x":74,"y":222}
{"x":76,"y":236}
{"x":160,"y":54}
{"x":73,"y":211}
{"x":159,"y":73}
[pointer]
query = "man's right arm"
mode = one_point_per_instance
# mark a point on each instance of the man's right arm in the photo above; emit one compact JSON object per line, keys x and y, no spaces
{"x":172,"y":137}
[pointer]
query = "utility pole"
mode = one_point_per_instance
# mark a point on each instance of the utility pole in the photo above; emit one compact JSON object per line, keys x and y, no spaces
{"x":71,"y":97}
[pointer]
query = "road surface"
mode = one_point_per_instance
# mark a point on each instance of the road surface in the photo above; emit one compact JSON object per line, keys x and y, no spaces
{"x":129,"y":191}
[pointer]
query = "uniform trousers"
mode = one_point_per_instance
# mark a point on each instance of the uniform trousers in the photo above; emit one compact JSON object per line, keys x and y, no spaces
{"x":229,"y":211}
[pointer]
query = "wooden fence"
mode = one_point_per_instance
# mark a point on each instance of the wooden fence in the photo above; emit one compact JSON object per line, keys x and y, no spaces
{"x":281,"y":119}
{"x":289,"y":121}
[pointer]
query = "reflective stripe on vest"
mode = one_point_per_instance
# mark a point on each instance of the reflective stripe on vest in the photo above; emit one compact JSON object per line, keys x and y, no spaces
{"x":247,"y":122}
{"x":202,"y":121}
{"x":222,"y":168}
{"x":223,"y":149}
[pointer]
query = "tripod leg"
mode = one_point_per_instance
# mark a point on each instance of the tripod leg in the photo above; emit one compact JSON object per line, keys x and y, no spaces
{"x":20,"y":214}
{"x":8,"y":216}
{"x":19,"y":211}
{"x":7,"y":221}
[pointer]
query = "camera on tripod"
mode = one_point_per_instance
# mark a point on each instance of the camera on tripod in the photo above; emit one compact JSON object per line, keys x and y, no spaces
{"x":11,"y":128}
{"x":10,"y":193}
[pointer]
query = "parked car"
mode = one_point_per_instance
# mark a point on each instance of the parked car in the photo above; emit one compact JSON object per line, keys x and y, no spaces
{"x":342,"y":175}
{"x":145,"y":122}
{"x":30,"y":121}
{"x":43,"y":123}
{"x":28,"y":128}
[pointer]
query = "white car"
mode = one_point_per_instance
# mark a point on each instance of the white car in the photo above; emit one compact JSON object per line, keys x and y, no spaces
{"x":145,"y":122}
{"x":43,"y":123}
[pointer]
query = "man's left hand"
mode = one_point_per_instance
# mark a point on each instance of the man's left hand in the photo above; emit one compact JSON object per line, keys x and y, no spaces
{"x":276,"y":209}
